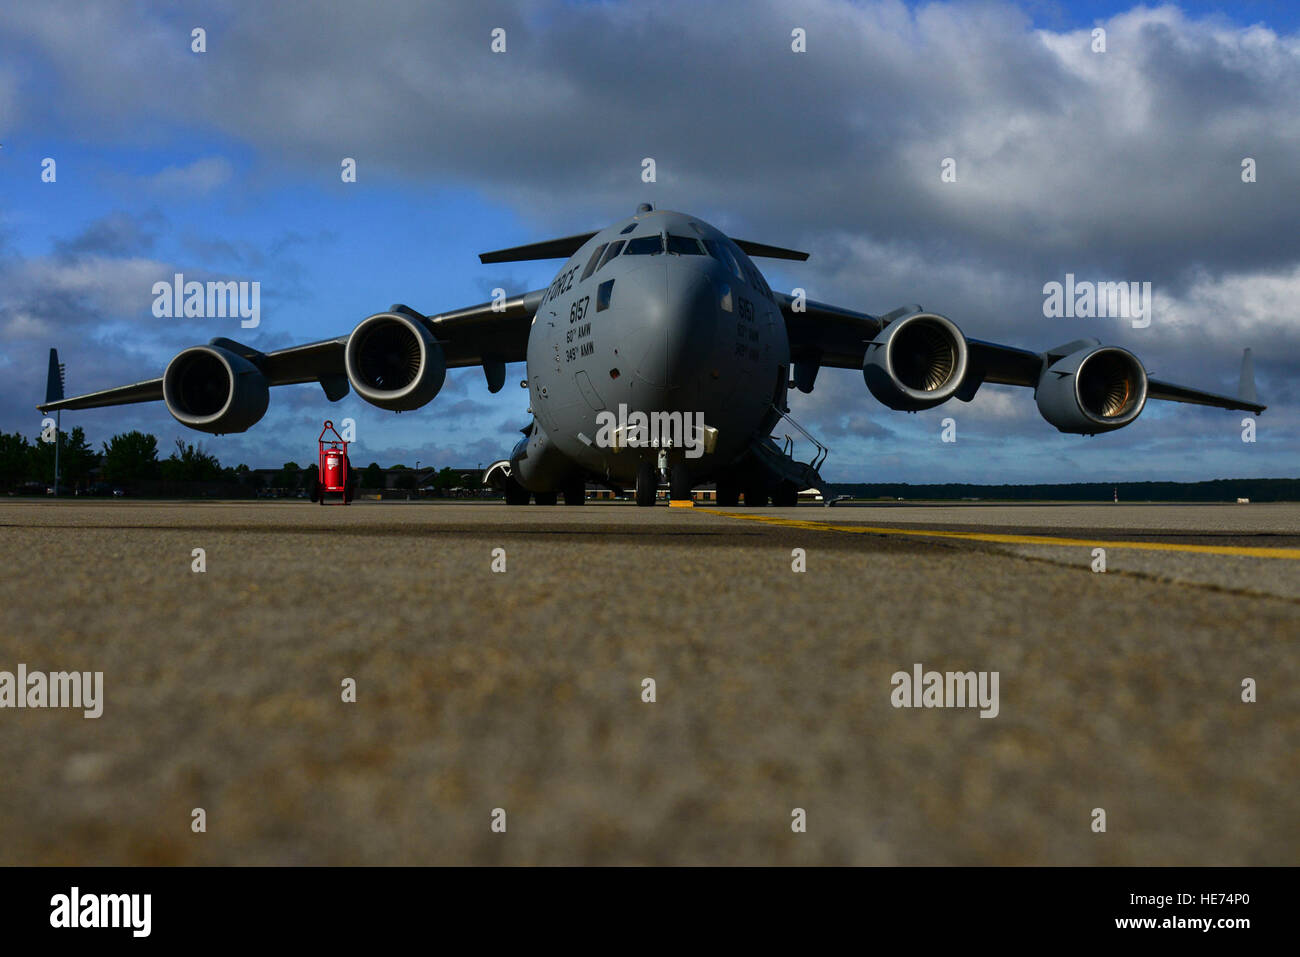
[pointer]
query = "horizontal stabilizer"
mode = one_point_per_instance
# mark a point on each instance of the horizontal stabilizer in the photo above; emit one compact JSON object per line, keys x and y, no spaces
{"x":548,"y":249}
{"x":769,"y":252}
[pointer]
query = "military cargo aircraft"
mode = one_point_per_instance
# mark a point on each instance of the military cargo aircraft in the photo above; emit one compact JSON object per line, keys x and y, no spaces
{"x":658,"y":352}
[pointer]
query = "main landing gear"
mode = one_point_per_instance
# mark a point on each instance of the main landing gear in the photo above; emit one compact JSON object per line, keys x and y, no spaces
{"x":516,"y":494}
{"x":574,"y":492}
{"x":679,"y":483}
{"x":786,"y":495}
{"x":728,"y":491}
{"x":647,"y":484}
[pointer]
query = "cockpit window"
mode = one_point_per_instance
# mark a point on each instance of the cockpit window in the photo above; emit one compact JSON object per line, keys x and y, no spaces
{"x":752,"y":275}
{"x":644,"y":246}
{"x":684,"y":245}
{"x":628,"y":228}
{"x":610,"y":253}
{"x":603,"y":293}
{"x":723,"y":255}
{"x":758,"y":282}
{"x":591,"y":263}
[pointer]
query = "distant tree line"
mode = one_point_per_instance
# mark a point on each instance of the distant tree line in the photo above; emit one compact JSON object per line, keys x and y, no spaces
{"x":1218,"y":490}
{"x":130,"y":460}
{"x":127,"y":457}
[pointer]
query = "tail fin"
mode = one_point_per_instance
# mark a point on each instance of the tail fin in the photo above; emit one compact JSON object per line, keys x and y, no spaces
{"x":54,"y":382}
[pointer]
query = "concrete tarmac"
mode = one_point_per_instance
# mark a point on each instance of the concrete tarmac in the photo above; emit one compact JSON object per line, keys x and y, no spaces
{"x":522,"y":690}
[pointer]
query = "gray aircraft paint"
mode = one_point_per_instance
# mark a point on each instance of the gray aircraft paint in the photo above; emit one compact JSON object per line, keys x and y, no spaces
{"x":672,"y":344}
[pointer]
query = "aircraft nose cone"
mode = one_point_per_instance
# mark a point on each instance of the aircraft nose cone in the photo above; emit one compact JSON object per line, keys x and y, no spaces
{"x":679,"y":335}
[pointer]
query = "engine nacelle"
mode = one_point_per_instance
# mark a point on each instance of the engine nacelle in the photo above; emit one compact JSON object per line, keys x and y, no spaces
{"x":394,"y":362}
{"x":214,"y":390}
{"x":916,"y":362}
{"x":1097,"y":389}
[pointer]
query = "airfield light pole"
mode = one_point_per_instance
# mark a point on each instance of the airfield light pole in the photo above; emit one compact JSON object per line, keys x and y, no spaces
{"x":58,"y":428}
{"x":54,"y":385}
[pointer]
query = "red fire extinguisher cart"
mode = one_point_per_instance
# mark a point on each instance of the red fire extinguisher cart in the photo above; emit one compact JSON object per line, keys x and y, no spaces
{"x":334,"y":469}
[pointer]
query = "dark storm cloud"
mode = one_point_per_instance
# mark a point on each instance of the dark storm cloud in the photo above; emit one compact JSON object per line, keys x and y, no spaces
{"x":1122,"y":165}
{"x":119,"y":234}
{"x":1125,"y":162}
{"x":1059,"y":149}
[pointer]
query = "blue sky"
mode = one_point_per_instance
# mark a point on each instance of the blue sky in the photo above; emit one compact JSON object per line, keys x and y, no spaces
{"x":1280,"y":15}
{"x":225,"y":165}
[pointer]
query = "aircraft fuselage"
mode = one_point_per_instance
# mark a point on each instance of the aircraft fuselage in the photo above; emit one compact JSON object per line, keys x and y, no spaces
{"x":659,"y":313}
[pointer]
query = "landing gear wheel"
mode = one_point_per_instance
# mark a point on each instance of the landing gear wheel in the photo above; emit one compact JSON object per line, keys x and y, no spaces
{"x":516,"y":494}
{"x":755,"y":494}
{"x":546,"y":498}
{"x":679,"y":483}
{"x":647,"y":484}
{"x":314,"y":492}
{"x":728,"y":492}
{"x":575,"y":491}
{"x":348,"y":491}
{"x":786,"y":495}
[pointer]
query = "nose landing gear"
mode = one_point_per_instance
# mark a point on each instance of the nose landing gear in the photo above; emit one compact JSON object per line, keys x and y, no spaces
{"x":648,"y":479}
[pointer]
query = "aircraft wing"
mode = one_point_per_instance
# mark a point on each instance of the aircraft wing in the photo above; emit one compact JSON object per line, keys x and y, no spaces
{"x":1008,"y":365}
{"x":478,"y":334}
{"x":826,"y":335}
{"x":150,"y":390}
{"x":475,"y":335}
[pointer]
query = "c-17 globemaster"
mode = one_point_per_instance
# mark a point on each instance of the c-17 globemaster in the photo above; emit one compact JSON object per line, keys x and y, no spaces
{"x":658,"y":352}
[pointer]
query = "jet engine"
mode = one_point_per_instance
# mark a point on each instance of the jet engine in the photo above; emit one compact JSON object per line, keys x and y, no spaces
{"x":214,"y":390}
{"x":916,"y":362}
{"x":1096,"y":389}
{"x":393,"y":361}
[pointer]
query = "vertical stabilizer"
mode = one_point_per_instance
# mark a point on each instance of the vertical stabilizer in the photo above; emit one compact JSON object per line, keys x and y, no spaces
{"x":54,"y":383}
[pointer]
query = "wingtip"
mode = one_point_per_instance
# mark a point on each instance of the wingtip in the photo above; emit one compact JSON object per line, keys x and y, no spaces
{"x":1246,"y":386}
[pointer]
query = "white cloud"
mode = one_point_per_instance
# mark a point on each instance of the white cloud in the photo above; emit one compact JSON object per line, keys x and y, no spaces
{"x":195,"y":179}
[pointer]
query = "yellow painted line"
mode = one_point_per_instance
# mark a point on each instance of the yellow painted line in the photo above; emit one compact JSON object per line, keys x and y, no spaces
{"x":1002,"y":539}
